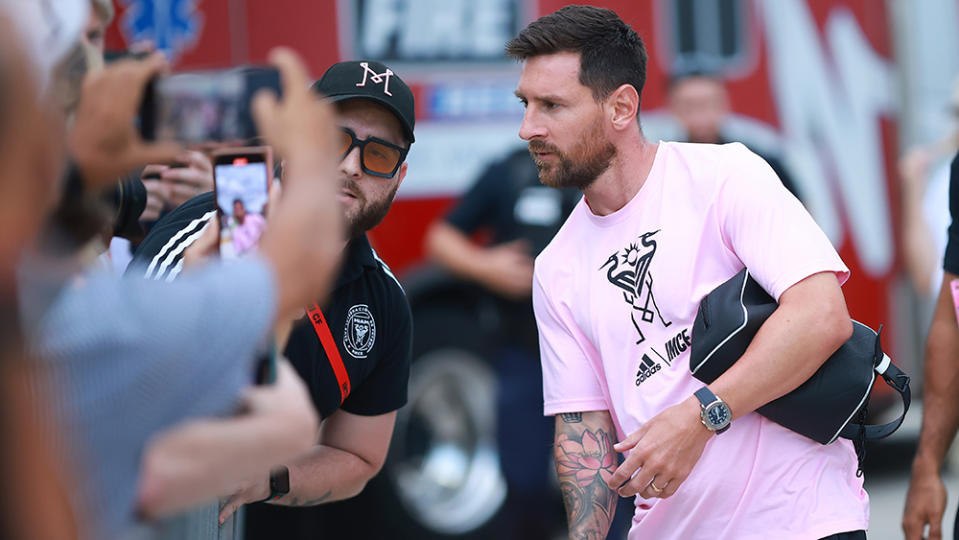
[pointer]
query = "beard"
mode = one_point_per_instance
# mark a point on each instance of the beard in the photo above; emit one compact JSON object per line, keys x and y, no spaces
{"x":581,"y":166}
{"x":369,"y":213}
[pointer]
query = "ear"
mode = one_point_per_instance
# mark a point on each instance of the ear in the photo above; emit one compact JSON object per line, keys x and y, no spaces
{"x":623,"y":106}
{"x":401,"y":174}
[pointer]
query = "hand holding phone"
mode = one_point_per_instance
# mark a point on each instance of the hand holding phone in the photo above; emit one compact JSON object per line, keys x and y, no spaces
{"x":241,"y":185}
{"x":203,"y":106}
{"x":104,"y":142}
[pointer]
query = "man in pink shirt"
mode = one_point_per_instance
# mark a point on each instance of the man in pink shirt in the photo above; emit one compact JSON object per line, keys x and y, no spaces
{"x":247,"y":227}
{"x":616,"y":293}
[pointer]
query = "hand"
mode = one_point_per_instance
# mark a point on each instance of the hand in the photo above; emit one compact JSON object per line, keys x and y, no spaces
{"x":508,"y":270}
{"x":158,"y":192}
{"x":204,"y":247}
{"x":254,"y":491}
{"x":925,"y":503}
{"x":104,"y":141}
{"x":301,"y":125}
{"x":306,"y":224}
{"x":664,"y":450}
{"x":187,"y":182}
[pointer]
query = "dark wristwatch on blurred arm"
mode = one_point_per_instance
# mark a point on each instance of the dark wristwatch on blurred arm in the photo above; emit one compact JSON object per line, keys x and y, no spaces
{"x":279,"y":483}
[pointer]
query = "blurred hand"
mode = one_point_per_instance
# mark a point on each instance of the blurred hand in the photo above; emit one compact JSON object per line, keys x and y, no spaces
{"x":193,"y":462}
{"x":158,"y":192}
{"x":925,"y":503}
{"x":508,"y":270}
{"x":104,"y":141}
{"x":301,"y":125}
{"x":187,"y":182}
{"x":306,"y":223}
{"x":254,"y":491}
{"x":204,"y":247}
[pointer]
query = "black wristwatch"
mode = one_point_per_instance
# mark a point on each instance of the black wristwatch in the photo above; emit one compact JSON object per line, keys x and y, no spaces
{"x":279,"y":483}
{"x":714,"y":412}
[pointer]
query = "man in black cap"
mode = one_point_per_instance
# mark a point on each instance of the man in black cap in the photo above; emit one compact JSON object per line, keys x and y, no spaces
{"x":354,"y":352}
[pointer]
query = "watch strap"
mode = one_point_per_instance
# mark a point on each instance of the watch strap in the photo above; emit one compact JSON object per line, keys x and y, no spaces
{"x":705,"y":396}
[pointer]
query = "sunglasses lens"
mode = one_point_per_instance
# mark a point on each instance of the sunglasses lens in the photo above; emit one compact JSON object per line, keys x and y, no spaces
{"x":380,"y":158}
{"x":344,"y":143}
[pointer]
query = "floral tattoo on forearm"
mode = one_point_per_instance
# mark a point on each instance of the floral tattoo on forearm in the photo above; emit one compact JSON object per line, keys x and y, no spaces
{"x":585,"y":461}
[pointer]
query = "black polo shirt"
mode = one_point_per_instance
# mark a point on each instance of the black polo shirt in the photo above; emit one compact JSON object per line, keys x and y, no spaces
{"x":367,"y":313}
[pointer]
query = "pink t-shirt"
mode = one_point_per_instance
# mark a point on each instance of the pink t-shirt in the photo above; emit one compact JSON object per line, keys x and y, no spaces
{"x":615,"y":298}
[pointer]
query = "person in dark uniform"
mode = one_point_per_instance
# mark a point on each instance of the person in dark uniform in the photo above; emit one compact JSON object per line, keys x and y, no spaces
{"x":353,"y":352}
{"x":926,"y":500}
{"x":521,"y":216}
{"x":699,"y":101}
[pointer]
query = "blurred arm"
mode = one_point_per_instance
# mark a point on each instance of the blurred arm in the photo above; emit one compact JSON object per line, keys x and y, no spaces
{"x":352,"y":450}
{"x":918,"y":246}
{"x":203,"y":459}
{"x":506,"y":269}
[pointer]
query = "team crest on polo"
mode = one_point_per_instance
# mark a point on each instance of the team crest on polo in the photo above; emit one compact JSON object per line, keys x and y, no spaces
{"x":359,"y":333}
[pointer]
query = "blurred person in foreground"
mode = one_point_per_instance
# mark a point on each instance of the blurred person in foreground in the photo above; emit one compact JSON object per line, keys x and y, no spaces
{"x":926,"y":499}
{"x":659,"y":227}
{"x":363,"y":333}
{"x":124,"y":361}
{"x":30,"y":150}
{"x":700,"y":102}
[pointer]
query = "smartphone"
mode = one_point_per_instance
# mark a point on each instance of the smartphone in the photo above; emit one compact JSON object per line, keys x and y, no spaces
{"x":241,"y":187}
{"x":202,"y":106}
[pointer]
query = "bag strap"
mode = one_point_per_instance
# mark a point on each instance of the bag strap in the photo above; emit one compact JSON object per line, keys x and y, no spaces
{"x":895,"y":378}
{"x":329,"y":345}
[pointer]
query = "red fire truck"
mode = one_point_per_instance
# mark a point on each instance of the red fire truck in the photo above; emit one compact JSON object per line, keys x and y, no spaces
{"x":834,"y":87}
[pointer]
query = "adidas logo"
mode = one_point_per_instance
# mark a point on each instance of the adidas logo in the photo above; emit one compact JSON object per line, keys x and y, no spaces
{"x":647,"y":368}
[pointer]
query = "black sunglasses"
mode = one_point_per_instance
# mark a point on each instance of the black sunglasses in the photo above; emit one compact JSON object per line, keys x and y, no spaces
{"x":377,"y":157}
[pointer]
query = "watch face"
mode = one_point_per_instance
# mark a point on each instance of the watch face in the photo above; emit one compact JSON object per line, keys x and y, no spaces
{"x":717,"y":415}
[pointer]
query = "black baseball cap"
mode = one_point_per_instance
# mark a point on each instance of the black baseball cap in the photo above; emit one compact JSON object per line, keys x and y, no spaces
{"x":368,"y":79}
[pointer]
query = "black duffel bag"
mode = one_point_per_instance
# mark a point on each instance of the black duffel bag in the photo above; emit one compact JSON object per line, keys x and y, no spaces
{"x":832,"y":403}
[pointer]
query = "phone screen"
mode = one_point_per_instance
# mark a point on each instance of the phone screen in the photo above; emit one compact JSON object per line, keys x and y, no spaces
{"x":204,"y":106}
{"x":241,"y":186}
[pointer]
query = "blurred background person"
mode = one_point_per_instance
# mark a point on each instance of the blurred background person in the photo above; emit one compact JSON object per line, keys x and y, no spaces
{"x":700,"y":102}
{"x":30,"y":150}
{"x":924,"y":174}
{"x":519,"y":215}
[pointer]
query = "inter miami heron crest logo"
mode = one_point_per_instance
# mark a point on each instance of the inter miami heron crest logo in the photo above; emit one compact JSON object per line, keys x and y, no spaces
{"x":629,"y":271}
{"x":359,"y":333}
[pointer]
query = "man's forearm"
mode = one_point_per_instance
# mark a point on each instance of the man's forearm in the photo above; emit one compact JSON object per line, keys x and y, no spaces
{"x":324,"y":475}
{"x":806,"y":329}
{"x":940,"y":416}
{"x":455,"y":251}
{"x":584,"y":461}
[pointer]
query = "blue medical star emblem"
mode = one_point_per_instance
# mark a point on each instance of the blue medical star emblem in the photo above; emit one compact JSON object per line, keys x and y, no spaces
{"x":172,"y":25}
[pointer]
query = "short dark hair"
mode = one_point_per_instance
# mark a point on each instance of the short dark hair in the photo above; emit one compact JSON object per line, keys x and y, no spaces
{"x":611,"y":52}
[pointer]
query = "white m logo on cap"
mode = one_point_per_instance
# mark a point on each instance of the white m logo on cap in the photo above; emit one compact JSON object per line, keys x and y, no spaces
{"x":376,"y":77}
